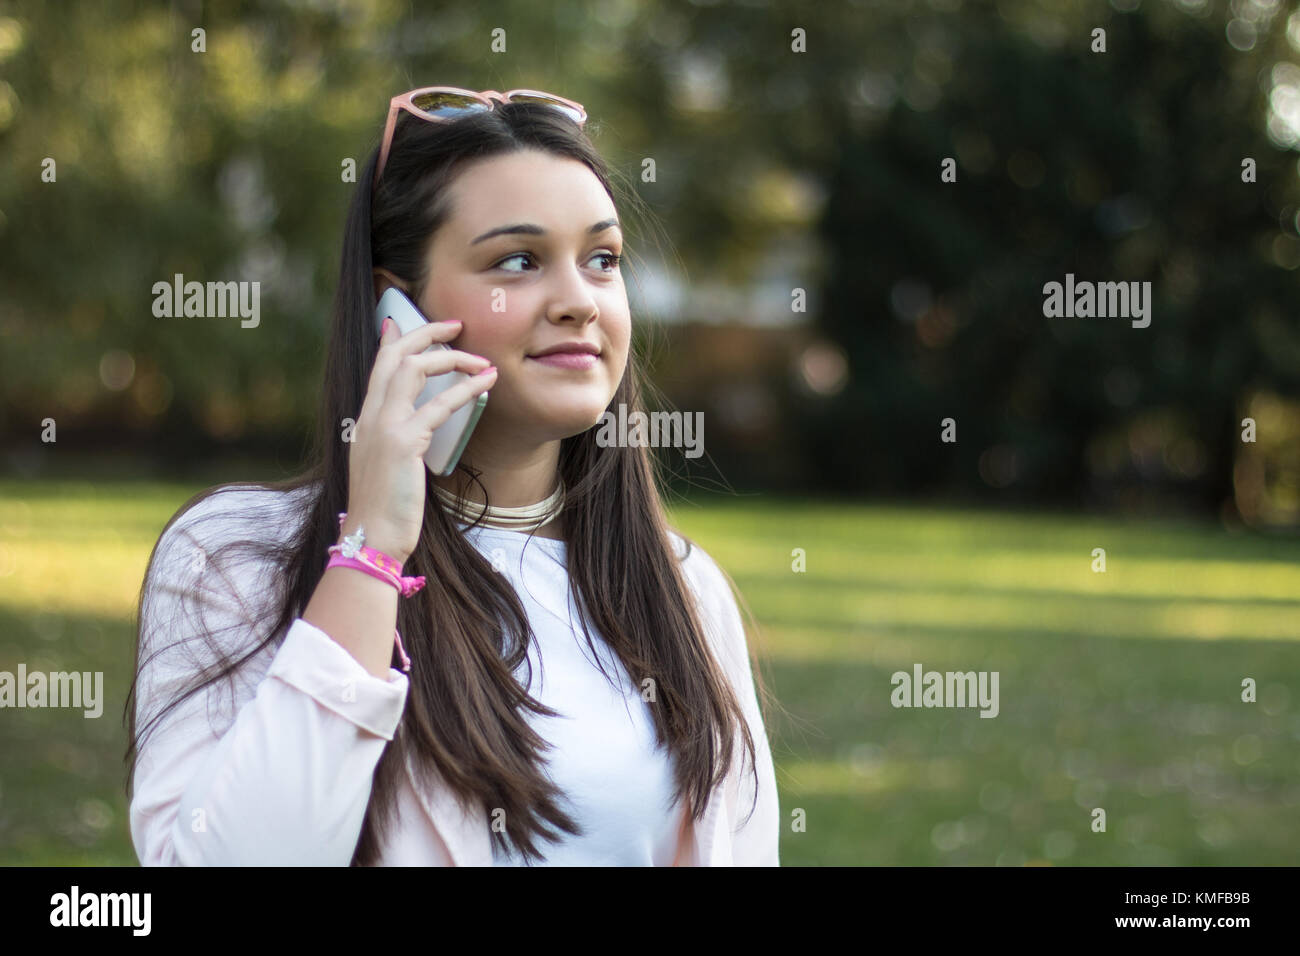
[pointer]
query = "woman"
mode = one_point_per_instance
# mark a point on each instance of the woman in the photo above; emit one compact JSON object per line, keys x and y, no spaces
{"x":500,"y":740}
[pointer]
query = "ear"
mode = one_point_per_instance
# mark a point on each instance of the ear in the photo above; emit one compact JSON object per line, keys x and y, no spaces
{"x":384,"y":279}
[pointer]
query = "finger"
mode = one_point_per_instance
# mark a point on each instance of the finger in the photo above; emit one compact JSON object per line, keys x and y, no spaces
{"x":393,"y":346}
{"x":437,"y":411}
{"x":414,"y":371}
{"x":426,"y":338}
{"x":381,"y":369}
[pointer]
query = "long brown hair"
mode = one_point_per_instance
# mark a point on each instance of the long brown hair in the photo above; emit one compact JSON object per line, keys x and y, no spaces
{"x":467,"y":630}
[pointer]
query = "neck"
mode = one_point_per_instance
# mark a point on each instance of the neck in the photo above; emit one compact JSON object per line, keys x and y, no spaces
{"x":513,"y":476}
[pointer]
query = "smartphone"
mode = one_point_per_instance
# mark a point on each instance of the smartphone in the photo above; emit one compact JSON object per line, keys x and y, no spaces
{"x":451,"y":437}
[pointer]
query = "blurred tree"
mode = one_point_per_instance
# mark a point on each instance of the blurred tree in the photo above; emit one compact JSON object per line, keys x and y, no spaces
{"x":1116,"y":166}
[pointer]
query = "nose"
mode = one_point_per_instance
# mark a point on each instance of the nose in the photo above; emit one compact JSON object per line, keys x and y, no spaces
{"x":572,"y":300}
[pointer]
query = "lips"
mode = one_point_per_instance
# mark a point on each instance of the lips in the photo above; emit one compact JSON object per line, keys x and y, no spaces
{"x":580,"y":361}
{"x":578,"y":348}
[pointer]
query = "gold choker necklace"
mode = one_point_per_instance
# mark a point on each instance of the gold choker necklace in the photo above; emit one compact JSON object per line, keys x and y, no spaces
{"x":526,"y":518}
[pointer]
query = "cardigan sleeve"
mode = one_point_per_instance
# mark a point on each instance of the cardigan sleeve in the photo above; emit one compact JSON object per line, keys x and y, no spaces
{"x":288,"y":778}
{"x":756,"y":835}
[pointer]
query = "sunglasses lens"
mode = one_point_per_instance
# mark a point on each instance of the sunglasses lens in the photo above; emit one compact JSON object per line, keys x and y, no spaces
{"x":447,"y":104}
{"x":564,"y":108}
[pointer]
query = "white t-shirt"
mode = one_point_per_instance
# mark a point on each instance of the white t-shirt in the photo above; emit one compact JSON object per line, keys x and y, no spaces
{"x":617,"y":783}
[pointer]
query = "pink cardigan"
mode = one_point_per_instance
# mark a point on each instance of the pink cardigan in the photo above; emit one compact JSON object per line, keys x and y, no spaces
{"x":286,"y":777}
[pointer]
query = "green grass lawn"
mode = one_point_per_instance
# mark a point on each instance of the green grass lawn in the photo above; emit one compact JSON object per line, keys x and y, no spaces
{"x":1118,"y":690}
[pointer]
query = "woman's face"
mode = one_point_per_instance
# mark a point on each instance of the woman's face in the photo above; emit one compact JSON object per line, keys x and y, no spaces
{"x":528,"y":261}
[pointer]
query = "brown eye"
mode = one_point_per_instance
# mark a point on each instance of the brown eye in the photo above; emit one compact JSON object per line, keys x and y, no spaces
{"x":517,"y":255}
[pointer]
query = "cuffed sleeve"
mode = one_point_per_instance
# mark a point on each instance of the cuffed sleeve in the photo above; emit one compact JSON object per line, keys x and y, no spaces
{"x":316,"y":664}
{"x":288,"y":780}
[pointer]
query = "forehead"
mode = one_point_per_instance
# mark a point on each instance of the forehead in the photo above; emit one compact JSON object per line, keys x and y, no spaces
{"x":554,"y":192}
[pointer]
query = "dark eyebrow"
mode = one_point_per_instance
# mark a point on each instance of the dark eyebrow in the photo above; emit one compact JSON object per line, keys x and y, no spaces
{"x":529,"y":229}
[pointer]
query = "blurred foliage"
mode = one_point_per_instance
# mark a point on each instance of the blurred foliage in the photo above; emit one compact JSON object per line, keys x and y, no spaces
{"x":1116,"y":166}
{"x":1122,"y":166}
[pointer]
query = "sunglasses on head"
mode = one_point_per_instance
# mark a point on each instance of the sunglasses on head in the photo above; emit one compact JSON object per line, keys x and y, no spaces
{"x":443,"y":104}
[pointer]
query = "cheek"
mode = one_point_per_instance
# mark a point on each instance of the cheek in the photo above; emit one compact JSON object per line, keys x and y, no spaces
{"x":490,"y":334}
{"x":620,"y":334}
{"x":494,"y":337}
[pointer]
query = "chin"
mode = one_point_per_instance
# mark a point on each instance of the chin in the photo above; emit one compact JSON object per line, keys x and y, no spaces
{"x":571,"y":420}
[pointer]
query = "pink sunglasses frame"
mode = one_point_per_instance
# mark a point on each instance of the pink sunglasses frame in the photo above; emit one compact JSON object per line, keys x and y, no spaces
{"x":490,"y":98}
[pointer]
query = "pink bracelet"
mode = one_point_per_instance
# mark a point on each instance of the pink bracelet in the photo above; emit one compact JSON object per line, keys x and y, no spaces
{"x":352,"y":551}
{"x":378,"y":565}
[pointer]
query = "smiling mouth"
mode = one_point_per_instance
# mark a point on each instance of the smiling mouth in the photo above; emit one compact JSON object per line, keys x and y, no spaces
{"x":568,"y":360}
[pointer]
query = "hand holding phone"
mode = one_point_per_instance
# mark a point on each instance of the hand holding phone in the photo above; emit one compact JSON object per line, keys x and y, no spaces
{"x":451,"y":437}
{"x":421,"y":404}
